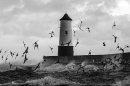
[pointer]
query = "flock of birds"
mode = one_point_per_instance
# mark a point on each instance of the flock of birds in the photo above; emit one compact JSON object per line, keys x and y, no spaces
{"x":24,"y":54}
{"x":35,"y":45}
{"x":109,"y":62}
{"x":104,"y":44}
{"x":16,"y":54}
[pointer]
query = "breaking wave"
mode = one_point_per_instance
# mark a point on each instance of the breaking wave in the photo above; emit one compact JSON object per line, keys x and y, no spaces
{"x":49,"y":81}
{"x":69,"y":67}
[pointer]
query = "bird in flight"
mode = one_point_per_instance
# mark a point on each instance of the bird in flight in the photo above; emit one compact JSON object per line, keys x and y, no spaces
{"x":52,"y":34}
{"x":51,"y":49}
{"x":26,"y":51}
{"x":115,"y":57}
{"x":38,"y":66}
{"x":68,"y":43}
{"x":35,"y":44}
{"x":25,"y":59}
{"x":114,"y":25}
{"x":10,"y":65}
{"x":118,"y":46}
{"x":74,"y":32}
{"x":89,"y":52}
{"x":80,"y":25}
{"x":17,"y":55}
{"x":5,"y":52}
{"x":77,"y":43}
{"x":24,"y":44}
{"x":121,"y":49}
{"x":80,"y":28}
{"x":104,"y":44}
{"x":6,"y":58}
{"x":88,"y":29}
{"x":14,"y":53}
{"x":11,"y":54}
{"x":1,"y":51}
{"x":126,"y":46}
{"x":115,"y":38}
{"x":44,"y":59}
{"x":2,"y":57}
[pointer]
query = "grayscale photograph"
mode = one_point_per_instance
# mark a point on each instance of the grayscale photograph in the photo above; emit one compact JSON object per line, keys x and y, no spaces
{"x":64,"y":42}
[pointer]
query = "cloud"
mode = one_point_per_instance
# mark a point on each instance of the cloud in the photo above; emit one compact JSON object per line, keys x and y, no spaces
{"x":31,"y":20}
{"x":10,"y":8}
{"x":29,"y":24}
{"x":43,"y":2}
{"x":7,"y":3}
{"x":45,"y":5}
{"x":122,"y":8}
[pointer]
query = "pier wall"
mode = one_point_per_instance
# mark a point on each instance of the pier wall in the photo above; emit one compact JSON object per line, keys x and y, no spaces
{"x":90,"y":59}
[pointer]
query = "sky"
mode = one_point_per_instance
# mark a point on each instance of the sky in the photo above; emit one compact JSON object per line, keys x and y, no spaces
{"x":32,"y":20}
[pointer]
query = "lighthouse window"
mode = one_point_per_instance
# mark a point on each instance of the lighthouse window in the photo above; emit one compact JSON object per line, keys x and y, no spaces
{"x":66,"y":32}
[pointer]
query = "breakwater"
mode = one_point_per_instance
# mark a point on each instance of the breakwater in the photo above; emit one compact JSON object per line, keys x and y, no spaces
{"x":117,"y":58}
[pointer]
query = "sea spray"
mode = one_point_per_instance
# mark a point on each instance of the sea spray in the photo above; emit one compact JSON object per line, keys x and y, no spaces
{"x":70,"y":67}
{"x":54,"y":67}
{"x":84,"y":63}
{"x":60,"y":67}
{"x":125,"y":82}
{"x":91,"y":67}
{"x":88,"y":67}
{"x":48,"y":80}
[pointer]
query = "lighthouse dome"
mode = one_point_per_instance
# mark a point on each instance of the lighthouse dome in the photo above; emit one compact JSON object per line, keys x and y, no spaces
{"x":66,"y":17}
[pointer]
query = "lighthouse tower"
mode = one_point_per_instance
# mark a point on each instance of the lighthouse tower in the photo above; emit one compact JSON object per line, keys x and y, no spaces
{"x":65,"y":47}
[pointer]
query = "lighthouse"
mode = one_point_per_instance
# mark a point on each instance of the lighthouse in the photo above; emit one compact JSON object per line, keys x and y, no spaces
{"x":65,"y":47}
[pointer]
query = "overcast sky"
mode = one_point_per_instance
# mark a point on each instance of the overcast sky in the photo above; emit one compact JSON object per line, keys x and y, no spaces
{"x":32,"y":20}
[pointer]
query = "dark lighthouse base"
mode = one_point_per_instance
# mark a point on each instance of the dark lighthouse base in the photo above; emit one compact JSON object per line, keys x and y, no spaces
{"x":65,"y":51}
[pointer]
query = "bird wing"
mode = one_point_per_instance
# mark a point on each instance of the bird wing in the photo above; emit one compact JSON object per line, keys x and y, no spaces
{"x":80,"y":23}
{"x":80,"y":27}
{"x":114,"y":23}
{"x":38,"y":64}
{"x":23,"y":42}
{"x":33,"y":43}
{"x":24,"y":60}
{"x":51,"y":48}
{"x":88,"y":30}
{"x":113,"y":35}
{"x":112,"y":26}
{"x":37,"y":41}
